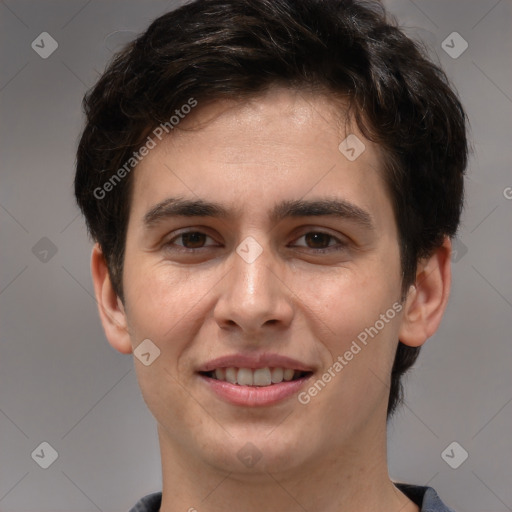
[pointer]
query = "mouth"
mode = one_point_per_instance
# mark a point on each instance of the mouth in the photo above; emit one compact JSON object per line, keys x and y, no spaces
{"x":254,"y":380}
{"x":258,"y":377}
{"x":254,"y":387}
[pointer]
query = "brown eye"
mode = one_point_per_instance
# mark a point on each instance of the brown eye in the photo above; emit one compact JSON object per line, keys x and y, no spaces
{"x":320,"y":242}
{"x":193,"y":240}
{"x":189,"y":241}
{"x":317,"y":240}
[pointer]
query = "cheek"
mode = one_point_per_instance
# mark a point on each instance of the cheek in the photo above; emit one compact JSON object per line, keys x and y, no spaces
{"x":363,"y":333}
{"x":164,"y":304}
{"x":349,"y":300}
{"x":165,"y":396}
{"x":356,"y":318}
{"x":160,"y":299}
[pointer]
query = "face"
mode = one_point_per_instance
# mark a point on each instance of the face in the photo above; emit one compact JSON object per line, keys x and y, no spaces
{"x":281,"y":259}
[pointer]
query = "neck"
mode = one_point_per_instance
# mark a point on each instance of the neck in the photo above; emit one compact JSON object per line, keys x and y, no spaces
{"x":343,"y":479}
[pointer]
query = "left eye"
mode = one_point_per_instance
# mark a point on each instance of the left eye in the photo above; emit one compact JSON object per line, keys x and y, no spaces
{"x":318,"y":238}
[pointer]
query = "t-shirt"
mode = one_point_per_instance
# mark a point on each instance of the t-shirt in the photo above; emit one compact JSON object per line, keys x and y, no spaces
{"x":425,"y":497}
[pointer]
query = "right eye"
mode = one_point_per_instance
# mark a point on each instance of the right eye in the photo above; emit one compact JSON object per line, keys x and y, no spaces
{"x":191,"y":241}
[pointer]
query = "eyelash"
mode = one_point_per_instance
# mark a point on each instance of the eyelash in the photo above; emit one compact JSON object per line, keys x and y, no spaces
{"x":171,"y":245}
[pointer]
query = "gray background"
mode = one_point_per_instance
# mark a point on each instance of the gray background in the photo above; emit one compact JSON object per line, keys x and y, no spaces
{"x":63,"y":384}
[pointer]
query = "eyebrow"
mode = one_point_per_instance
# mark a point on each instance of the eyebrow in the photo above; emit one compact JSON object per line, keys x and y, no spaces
{"x":180,"y":207}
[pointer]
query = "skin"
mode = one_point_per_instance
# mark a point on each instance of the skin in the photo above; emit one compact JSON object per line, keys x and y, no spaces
{"x":330,"y":454}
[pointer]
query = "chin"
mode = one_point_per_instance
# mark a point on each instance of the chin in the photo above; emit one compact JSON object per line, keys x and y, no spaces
{"x":254,"y":451}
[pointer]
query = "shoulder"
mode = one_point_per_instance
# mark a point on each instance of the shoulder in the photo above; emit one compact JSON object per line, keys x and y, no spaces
{"x":150,"y":503}
{"x":425,"y":497}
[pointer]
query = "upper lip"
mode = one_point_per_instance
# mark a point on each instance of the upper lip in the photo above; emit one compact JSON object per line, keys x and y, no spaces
{"x":254,"y":361}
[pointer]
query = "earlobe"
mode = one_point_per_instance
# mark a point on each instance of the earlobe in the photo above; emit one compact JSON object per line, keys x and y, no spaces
{"x":110,"y":307}
{"x":427,"y":297}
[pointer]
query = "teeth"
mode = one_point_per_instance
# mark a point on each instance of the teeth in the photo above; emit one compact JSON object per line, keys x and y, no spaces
{"x":288,"y":374}
{"x":231,"y":375}
{"x":259,"y":377}
{"x":244,"y":377}
{"x":277,"y":375}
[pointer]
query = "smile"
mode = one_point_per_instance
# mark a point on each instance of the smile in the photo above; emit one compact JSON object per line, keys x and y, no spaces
{"x":255,"y":377}
{"x":254,"y":388}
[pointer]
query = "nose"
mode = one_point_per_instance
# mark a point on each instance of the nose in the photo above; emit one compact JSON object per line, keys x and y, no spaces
{"x":254,"y":297}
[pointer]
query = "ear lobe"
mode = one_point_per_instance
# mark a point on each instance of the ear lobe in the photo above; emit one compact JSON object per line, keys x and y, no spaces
{"x":427,"y":297}
{"x":110,"y":307}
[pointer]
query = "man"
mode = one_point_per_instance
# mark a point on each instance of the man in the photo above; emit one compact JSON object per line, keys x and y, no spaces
{"x":272,"y":187}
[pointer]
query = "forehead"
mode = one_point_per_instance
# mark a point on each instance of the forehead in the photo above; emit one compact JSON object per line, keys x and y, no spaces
{"x":282,"y":144}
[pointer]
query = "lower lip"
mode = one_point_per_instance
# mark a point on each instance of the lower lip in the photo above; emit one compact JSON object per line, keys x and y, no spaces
{"x":254,"y":396}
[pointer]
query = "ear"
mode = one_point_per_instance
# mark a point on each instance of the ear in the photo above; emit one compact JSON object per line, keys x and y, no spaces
{"x":110,"y":307}
{"x":427,"y":297}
